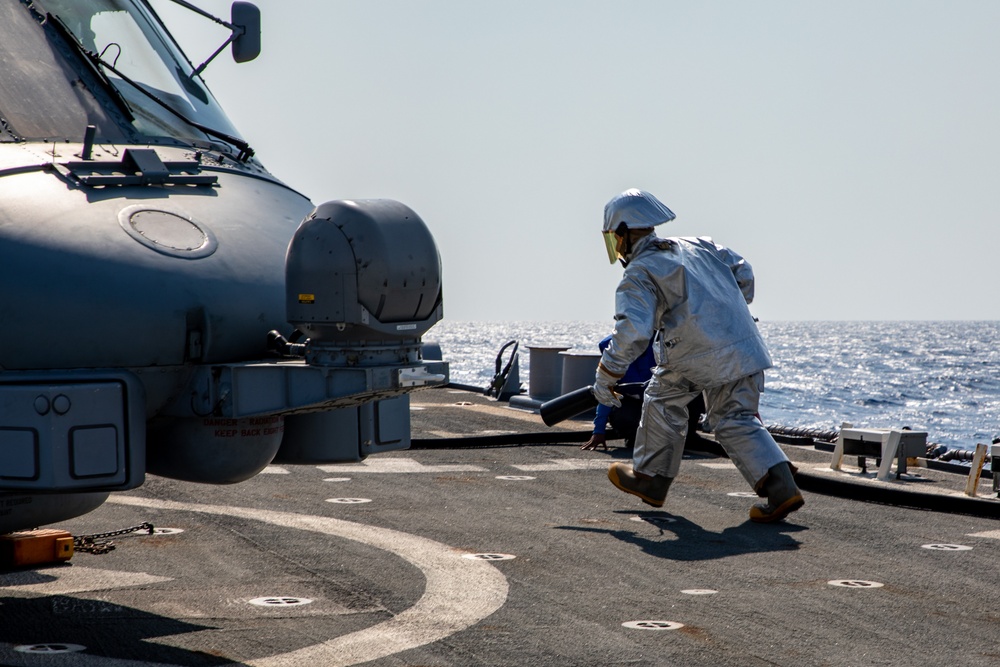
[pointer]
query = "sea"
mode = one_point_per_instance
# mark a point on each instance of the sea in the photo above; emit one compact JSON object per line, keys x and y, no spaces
{"x":938,"y":377}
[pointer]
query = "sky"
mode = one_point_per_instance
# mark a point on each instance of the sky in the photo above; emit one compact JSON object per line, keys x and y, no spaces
{"x":848,"y":150}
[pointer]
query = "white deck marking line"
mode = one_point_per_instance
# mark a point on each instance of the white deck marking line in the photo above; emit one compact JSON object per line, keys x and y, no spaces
{"x":274,"y":470}
{"x":76,"y":579}
{"x":565,"y":464}
{"x":458,"y":592}
{"x":989,"y":534}
{"x":398,"y":466}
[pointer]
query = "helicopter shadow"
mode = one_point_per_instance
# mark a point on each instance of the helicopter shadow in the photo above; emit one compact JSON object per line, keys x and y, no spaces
{"x":102,"y":630}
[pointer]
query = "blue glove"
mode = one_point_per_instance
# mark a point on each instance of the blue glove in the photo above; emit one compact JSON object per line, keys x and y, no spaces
{"x":603,"y":388}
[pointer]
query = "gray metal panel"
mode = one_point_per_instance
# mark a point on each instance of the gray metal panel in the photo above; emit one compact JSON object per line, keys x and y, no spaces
{"x":246,"y":390}
{"x":18,"y":453}
{"x":71,"y":261}
{"x":76,"y":431}
{"x":347,"y":434}
{"x":392,"y":423}
{"x":94,"y":451}
{"x":321,"y":437}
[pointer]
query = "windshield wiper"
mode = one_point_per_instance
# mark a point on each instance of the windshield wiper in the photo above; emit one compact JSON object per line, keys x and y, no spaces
{"x":95,"y":63}
{"x":87,"y":59}
{"x":246,"y":152}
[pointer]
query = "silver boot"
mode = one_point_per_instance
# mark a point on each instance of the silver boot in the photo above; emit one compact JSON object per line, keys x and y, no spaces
{"x":652,"y":490}
{"x":783,"y":496}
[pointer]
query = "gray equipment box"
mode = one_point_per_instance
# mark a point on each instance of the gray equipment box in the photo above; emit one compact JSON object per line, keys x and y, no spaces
{"x":71,"y":434}
{"x":347,"y":434}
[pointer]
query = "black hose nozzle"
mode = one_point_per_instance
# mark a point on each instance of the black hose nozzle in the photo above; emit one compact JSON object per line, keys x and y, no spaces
{"x":566,"y":406}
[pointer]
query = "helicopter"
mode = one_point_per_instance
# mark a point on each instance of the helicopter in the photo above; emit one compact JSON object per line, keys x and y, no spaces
{"x":170,"y":307}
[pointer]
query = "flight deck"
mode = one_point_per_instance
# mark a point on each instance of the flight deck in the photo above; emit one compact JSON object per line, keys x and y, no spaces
{"x":512,"y":555}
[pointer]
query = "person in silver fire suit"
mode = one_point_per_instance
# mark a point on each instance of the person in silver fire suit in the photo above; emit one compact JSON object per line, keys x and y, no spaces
{"x":693,"y":295}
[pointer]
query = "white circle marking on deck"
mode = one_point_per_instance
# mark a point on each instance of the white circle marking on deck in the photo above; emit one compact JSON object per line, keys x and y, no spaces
{"x":163,"y":531}
{"x":855,"y":583}
{"x":514,"y":478}
{"x":349,"y":501}
{"x":457,"y":593}
{"x":489,"y":556}
{"x":743,"y":494}
{"x":947,"y":547}
{"x":279,"y":601}
{"x":652,"y":625}
{"x":699,"y":591}
{"x":49,"y":649}
{"x":337,"y":479}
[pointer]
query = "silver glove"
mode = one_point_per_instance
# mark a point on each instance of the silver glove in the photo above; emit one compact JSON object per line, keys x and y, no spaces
{"x":603,"y":388}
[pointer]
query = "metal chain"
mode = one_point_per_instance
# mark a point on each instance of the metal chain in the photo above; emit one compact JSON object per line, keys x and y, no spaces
{"x":5,"y":128}
{"x":89,"y":543}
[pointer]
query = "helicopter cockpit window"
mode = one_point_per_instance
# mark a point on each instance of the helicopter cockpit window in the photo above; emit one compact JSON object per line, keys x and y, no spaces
{"x":138,"y":59}
{"x":40,"y":98}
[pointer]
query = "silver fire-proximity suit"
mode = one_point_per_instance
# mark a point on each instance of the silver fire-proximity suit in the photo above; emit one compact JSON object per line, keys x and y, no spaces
{"x":693,"y":294}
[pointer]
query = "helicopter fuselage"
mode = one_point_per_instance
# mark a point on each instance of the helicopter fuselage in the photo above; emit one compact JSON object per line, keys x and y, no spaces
{"x":151,"y":268}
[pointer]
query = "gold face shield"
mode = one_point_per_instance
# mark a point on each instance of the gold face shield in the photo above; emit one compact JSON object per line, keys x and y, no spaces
{"x":613,"y":244}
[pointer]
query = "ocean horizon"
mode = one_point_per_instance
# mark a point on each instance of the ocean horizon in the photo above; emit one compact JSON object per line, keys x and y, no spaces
{"x":935,"y":376}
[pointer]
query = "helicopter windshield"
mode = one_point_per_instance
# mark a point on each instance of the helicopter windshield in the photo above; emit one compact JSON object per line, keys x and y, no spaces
{"x":135,"y":53}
